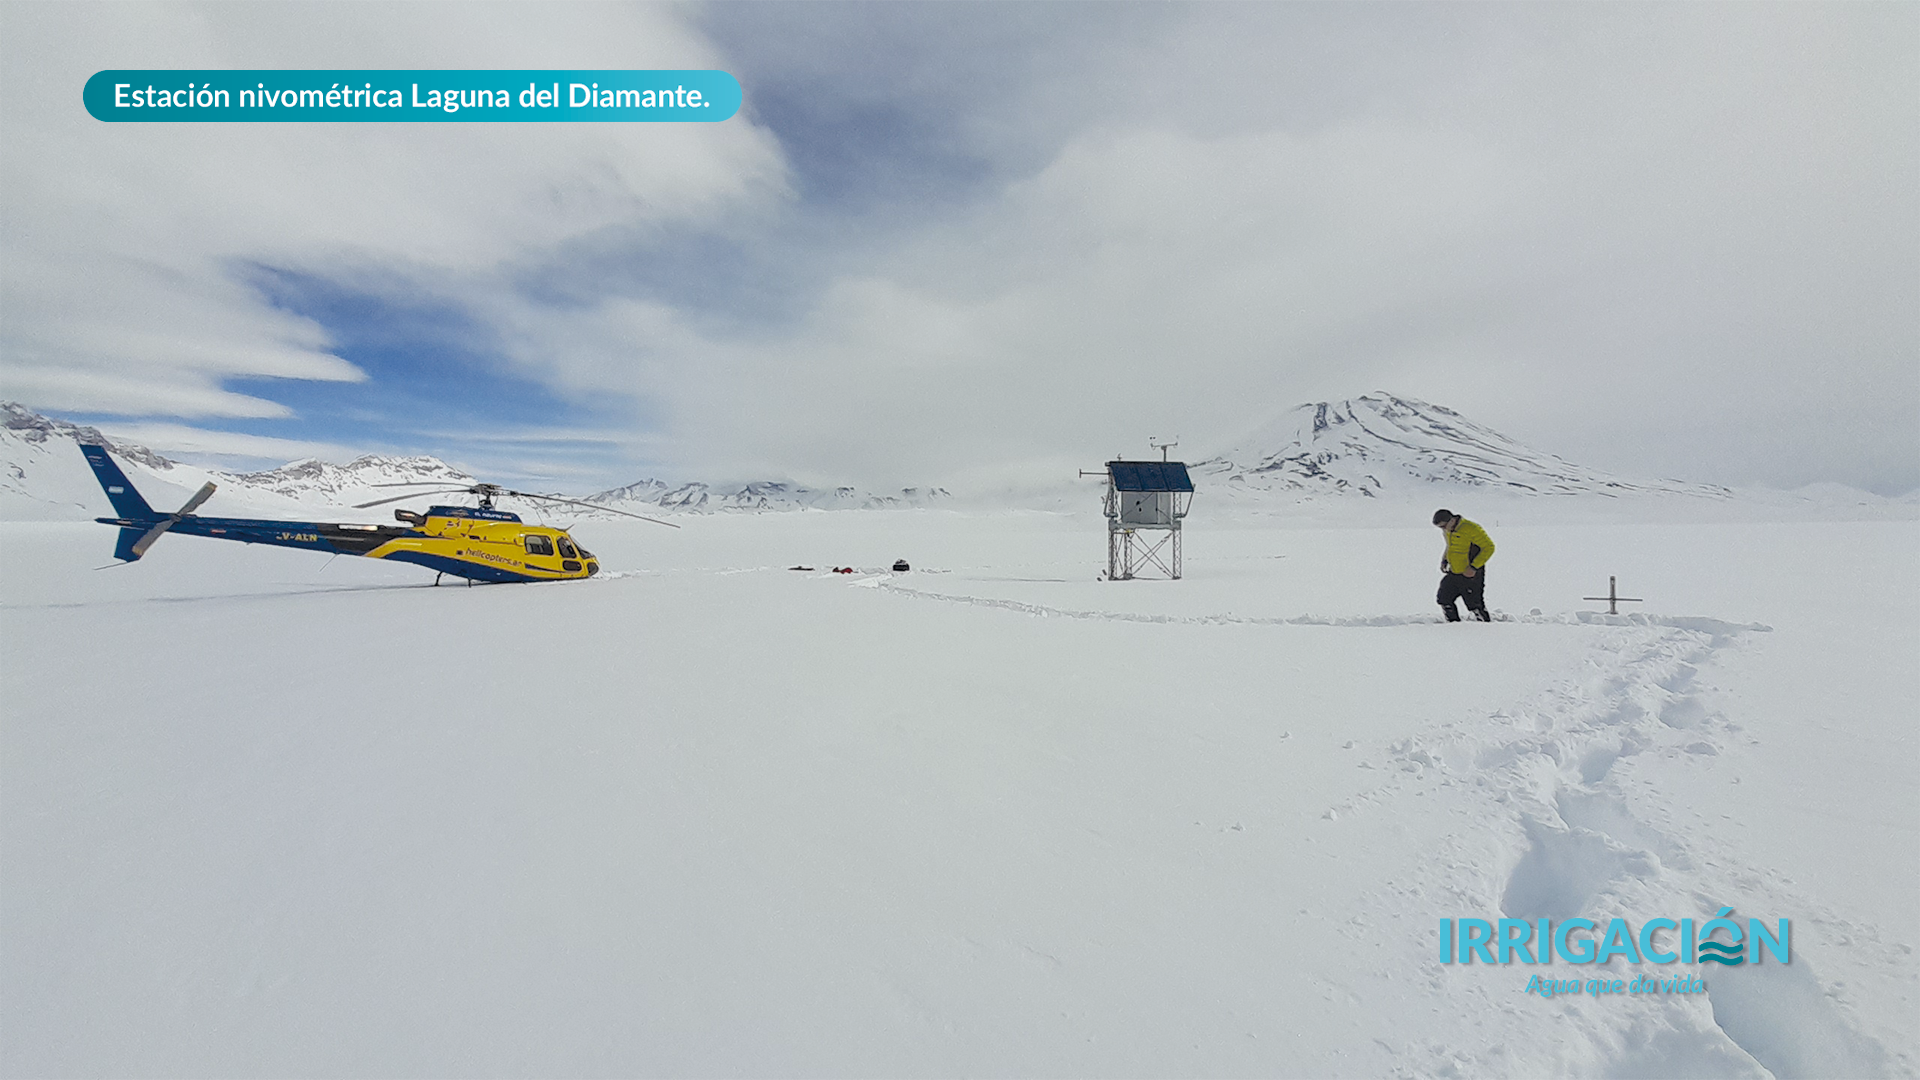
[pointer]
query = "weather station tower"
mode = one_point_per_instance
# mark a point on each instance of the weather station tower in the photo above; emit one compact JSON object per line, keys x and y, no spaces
{"x":1146,"y":502}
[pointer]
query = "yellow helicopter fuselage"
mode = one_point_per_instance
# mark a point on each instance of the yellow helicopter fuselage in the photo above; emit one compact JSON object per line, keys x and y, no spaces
{"x":479,"y":544}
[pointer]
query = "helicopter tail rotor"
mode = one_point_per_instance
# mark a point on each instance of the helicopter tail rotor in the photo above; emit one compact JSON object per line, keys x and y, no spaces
{"x":139,"y":547}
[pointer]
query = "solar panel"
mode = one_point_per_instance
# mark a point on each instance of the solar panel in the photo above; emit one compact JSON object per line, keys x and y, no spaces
{"x":1150,"y":475}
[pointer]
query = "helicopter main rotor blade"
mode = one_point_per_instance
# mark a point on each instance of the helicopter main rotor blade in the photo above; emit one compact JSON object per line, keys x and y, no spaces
{"x":590,"y":506}
{"x":141,"y":545}
{"x":412,"y":483}
{"x":494,"y":490}
{"x":411,"y":495}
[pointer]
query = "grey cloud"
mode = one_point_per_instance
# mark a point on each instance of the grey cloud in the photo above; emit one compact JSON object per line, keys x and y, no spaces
{"x":964,"y":239}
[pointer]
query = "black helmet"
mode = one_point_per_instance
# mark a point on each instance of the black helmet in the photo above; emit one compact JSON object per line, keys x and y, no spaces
{"x":1441,"y":517}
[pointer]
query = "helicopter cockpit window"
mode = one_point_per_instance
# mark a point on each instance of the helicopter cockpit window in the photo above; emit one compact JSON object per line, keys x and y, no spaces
{"x":540,"y":545}
{"x":567,"y":550}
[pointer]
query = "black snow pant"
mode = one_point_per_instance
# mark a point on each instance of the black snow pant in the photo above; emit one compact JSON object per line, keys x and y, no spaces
{"x":1471,"y":589}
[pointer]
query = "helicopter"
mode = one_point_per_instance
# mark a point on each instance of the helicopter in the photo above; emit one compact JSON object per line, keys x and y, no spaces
{"x":479,"y":543}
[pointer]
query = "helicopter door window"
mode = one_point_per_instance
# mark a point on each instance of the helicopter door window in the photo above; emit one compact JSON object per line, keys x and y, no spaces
{"x":539,"y":545}
{"x":567,"y":550}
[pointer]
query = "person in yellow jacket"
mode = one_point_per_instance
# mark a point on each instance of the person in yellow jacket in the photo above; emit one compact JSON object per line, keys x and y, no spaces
{"x":1465,"y":565}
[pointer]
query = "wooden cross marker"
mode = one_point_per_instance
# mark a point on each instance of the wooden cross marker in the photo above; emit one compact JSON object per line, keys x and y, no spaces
{"x":1613,"y":597}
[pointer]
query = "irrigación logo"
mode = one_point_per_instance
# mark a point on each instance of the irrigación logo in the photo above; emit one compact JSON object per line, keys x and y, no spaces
{"x":1656,"y":941}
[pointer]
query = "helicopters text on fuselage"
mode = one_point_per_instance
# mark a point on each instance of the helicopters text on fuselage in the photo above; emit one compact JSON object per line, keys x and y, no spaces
{"x":478,"y":543}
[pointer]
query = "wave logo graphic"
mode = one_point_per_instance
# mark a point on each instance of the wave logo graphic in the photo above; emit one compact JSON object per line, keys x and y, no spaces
{"x":1730,"y":953}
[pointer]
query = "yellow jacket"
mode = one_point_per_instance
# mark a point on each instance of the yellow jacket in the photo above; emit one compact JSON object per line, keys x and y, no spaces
{"x":1467,"y":545}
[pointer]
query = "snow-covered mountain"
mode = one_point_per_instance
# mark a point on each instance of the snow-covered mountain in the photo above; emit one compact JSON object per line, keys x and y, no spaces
{"x":759,"y":495}
{"x":24,"y":427}
{"x":43,"y":477}
{"x":313,"y":480}
{"x":1382,"y":444}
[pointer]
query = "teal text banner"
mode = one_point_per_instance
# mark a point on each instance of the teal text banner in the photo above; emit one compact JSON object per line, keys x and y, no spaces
{"x":411,"y":96}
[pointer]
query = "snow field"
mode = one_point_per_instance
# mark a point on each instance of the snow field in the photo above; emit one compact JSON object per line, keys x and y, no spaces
{"x":707,"y":815}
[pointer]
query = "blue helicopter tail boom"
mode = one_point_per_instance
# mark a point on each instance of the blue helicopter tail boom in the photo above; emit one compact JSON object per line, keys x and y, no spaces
{"x":127,"y":502}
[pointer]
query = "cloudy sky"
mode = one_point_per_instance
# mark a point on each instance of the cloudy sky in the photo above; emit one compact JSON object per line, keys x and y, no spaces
{"x":983,"y":244}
